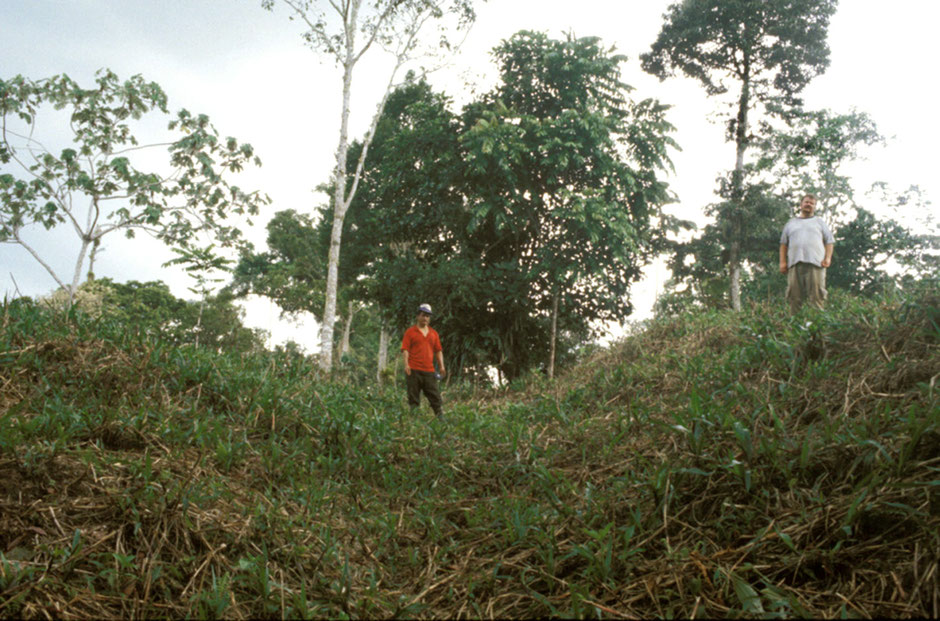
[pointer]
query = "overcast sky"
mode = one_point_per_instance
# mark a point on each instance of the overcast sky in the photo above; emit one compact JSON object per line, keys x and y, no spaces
{"x":249,"y":70}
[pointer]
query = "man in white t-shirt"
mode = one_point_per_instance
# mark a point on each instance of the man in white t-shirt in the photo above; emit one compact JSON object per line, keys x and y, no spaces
{"x":805,"y":252}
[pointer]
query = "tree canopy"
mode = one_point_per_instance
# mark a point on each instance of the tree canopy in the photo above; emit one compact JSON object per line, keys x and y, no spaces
{"x":103,"y":182}
{"x":771,"y":47}
{"x":535,"y":207}
{"x":291,"y":272}
{"x":565,"y":194}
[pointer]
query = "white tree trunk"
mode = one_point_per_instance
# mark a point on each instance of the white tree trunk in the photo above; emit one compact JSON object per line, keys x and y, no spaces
{"x":92,"y":255}
{"x":551,"y":360}
{"x":735,"y":274}
{"x":384,"y":338}
{"x":329,"y":310}
{"x":339,"y":194}
{"x":347,"y":329}
{"x":737,"y":194}
{"x":202,"y":306}
{"x":77,"y":276}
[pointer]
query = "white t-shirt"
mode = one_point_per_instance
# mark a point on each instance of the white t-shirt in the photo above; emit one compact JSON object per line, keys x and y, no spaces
{"x":806,"y":239}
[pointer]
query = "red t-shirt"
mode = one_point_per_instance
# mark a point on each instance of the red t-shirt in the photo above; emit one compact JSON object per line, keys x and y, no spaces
{"x":421,"y":348}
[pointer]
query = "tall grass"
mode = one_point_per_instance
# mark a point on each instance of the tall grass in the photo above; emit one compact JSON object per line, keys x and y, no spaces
{"x":714,"y":465}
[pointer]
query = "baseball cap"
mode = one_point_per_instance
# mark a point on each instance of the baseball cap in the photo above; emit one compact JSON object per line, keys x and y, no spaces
{"x":425,"y":308}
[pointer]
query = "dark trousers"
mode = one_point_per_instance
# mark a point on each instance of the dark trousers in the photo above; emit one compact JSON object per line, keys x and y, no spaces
{"x":422,"y":381}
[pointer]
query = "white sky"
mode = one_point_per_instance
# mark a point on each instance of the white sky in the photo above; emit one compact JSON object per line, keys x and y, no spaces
{"x":250,"y":72}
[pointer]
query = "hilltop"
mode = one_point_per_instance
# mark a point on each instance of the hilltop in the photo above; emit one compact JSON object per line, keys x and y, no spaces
{"x":712,"y":465}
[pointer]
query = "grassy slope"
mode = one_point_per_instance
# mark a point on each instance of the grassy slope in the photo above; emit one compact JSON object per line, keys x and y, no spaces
{"x":715,"y":465}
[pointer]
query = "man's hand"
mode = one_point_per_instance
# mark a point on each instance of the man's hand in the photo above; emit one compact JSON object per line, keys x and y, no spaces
{"x":443,"y":372}
{"x":783,"y":268}
{"x":826,"y":262}
{"x":407,"y":370}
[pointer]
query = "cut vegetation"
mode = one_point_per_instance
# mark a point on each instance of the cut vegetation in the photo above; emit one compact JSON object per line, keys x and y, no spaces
{"x":714,"y":465}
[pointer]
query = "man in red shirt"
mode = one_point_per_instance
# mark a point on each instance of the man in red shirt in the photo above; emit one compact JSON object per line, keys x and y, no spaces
{"x":419,"y":347}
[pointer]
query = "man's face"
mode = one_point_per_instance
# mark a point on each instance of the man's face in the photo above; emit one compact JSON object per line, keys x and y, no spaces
{"x":807,"y":206}
{"x":423,"y":319}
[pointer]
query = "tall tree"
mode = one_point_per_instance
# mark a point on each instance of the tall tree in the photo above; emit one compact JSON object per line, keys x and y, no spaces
{"x":545,"y":190}
{"x":563,"y":190}
{"x":492,"y":217}
{"x":770,"y":48}
{"x":347,"y":30}
{"x":96,"y":185}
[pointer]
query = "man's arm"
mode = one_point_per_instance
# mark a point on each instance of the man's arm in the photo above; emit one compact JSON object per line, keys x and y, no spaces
{"x":783,"y":258}
{"x":828,"y":243}
{"x":404,"y":357}
{"x":440,"y":362}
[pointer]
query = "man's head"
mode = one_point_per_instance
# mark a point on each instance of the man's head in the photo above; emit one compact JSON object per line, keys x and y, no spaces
{"x":424,"y":315}
{"x":807,"y":205}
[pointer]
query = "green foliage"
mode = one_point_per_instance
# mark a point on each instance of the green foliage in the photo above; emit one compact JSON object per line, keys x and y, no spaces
{"x":807,"y":154}
{"x":407,"y":218}
{"x":150,"y":309}
{"x":771,"y":49}
{"x":546,"y":189}
{"x":869,"y":245}
{"x":98,"y":185}
{"x":293,"y":269}
{"x":775,"y":47}
{"x":563,"y":190}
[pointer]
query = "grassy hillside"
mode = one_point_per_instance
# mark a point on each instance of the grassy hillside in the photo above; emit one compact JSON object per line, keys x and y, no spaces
{"x":715,"y":465}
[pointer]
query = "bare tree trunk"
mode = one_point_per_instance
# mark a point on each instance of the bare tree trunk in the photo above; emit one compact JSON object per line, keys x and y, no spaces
{"x":551,"y":360}
{"x":384,"y":338}
{"x":735,"y":273}
{"x":77,"y":276}
{"x":95,"y":248}
{"x":347,"y":329}
{"x":202,"y":306}
{"x":737,"y":193}
{"x":339,"y":195}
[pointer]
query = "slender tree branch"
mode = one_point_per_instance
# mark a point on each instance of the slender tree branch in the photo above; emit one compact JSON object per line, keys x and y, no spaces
{"x":401,"y":59}
{"x":29,"y":249}
{"x":339,"y":11}
{"x":141,"y":147}
{"x":13,"y":156}
{"x":386,"y":14}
